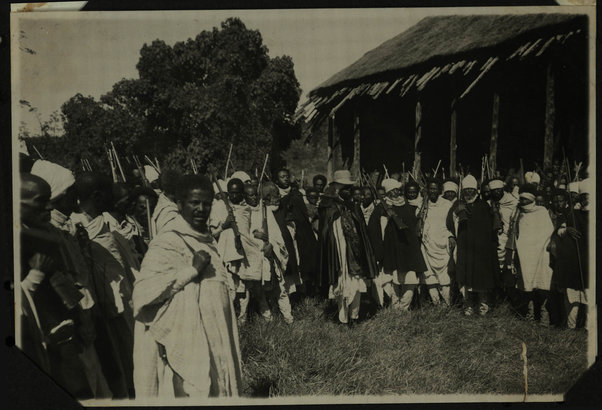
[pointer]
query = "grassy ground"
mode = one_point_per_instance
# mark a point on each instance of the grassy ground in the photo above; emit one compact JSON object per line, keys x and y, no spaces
{"x":431,"y":350}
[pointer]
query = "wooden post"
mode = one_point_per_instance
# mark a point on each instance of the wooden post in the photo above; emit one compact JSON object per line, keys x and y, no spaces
{"x":452,"y":140}
{"x":329,"y":164}
{"x":548,"y":147}
{"x":355,"y":162}
{"x":494,"y":132}
{"x":417,"y":137}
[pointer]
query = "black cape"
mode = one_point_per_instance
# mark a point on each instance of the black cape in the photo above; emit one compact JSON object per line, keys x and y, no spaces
{"x":566,"y":264}
{"x":477,"y":266}
{"x":400,"y":248}
{"x":329,"y":210}
{"x":293,"y":208}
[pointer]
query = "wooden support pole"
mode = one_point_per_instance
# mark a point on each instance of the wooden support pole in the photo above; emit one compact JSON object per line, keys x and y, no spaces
{"x":452,"y":140}
{"x":548,"y":147}
{"x":417,"y":136}
{"x":494,"y":133}
{"x":329,"y":164}
{"x":355,"y":162}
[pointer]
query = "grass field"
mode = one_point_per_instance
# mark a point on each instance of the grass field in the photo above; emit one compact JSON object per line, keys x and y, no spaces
{"x":433,"y":350}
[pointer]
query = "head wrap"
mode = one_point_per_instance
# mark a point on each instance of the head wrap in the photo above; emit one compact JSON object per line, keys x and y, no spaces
{"x":585,"y":186}
{"x":574,"y":187}
{"x":390,"y":184}
{"x":496,"y":184}
{"x":58,"y":177}
{"x":532,"y":178}
{"x":469,"y":182}
{"x":450,"y":186}
{"x":343,"y":177}
{"x":242,"y":175}
{"x":150,"y":173}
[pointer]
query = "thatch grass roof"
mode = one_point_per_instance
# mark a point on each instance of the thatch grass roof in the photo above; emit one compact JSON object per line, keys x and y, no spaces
{"x":439,"y":38}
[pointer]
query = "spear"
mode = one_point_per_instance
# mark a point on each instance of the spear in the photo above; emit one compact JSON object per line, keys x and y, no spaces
{"x":437,"y":169}
{"x":386,"y":171}
{"x":228,"y":162}
{"x":38,"y":152}
{"x":151,"y":163}
{"x":158,"y":167}
{"x":113,"y":171}
{"x":118,"y":162}
{"x":302,"y":178}
{"x":88,"y":164}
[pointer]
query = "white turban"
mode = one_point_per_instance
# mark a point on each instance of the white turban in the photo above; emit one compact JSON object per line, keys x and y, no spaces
{"x":242,"y":175}
{"x":585,"y":186}
{"x":390,"y":184}
{"x":496,"y":184}
{"x":574,"y":187}
{"x":450,"y":186}
{"x":469,"y":182}
{"x":59,"y":178}
{"x":150,"y":173}
{"x":532,"y":178}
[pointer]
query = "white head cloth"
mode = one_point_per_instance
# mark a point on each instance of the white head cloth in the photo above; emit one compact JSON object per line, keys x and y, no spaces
{"x":469,"y":182}
{"x":242,"y":175}
{"x":450,"y":186}
{"x":58,"y":177}
{"x":532,"y":178}
{"x":586,"y":186}
{"x":574,"y":187}
{"x":389,"y":184}
{"x":496,"y":184}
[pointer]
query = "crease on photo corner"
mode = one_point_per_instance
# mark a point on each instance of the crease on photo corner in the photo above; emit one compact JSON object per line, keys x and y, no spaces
{"x":49,"y":6}
{"x":576,"y":2}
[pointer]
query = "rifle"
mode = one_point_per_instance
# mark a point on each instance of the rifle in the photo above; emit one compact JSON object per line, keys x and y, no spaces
{"x":237,"y":239}
{"x":572,"y":211}
{"x":146,"y":184}
{"x":264,"y":225}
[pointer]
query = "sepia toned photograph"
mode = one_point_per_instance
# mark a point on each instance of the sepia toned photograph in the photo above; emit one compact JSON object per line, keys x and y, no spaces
{"x":303,"y":206}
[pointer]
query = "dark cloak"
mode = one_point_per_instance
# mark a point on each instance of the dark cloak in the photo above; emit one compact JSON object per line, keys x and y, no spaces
{"x":292,"y":266}
{"x":329,"y":210}
{"x":293,"y":208}
{"x":477,"y":266}
{"x":400,"y":248}
{"x":566,"y":263}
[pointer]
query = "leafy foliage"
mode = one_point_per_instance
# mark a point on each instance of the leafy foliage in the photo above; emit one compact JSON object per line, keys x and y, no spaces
{"x":191,"y":100}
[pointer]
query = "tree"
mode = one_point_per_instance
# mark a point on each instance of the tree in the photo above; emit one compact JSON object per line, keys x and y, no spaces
{"x":192,"y":100}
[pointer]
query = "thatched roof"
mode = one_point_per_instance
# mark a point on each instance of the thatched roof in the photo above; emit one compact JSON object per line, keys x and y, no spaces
{"x":439,"y":47}
{"x":435,"y":38}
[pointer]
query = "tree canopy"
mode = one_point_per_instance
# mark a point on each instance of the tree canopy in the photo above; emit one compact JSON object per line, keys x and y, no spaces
{"x":191,"y":100}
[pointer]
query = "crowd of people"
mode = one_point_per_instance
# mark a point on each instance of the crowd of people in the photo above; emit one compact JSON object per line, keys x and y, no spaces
{"x":138,"y":288}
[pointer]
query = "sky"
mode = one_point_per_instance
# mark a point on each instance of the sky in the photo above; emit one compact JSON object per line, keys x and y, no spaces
{"x":87,"y":52}
{"x":79,"y":52}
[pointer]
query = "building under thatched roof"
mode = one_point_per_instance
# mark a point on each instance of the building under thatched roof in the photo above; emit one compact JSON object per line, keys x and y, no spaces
{"x":462,"y":80}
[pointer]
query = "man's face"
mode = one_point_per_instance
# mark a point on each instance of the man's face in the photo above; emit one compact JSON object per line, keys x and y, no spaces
{"x":283,"y":179}
{"x":540,"y":200}
{"x":367,"y":198}
{"x":524,"y":201}
{"x":357,"y":195}
{"x":412,"y":192}
{"x":497,"y":194}
{"x":235,"y":193}
{"x":254,"y":181}
{"x":66,"y":203}
{"x":394,"y":193}
{"x":450,"y":195}
{"x":273,"y":199}
{"x":195,"y":209}
{"x":469,"y":193}
{"x":485,"y":193}
{"x":251,"y":197}
{"x":140,"y":208}
{"x":584,"y":199}
{"x":575,"y":197}
{"x":433,"y":191}
{"x":559,"y":203}
{"x":381,"y":193}
{"x":319,"y":185}
{"x":548,"y":190}
{"x":515,"y":182}
{"x":36,"y":211}
{"x":549,"y":176}
{"x":345,"y":192}
{"x":312,"y":197}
